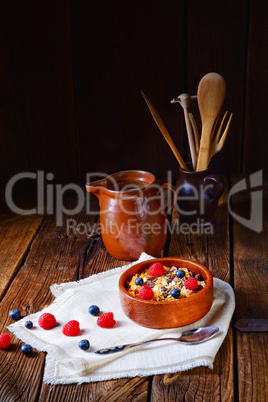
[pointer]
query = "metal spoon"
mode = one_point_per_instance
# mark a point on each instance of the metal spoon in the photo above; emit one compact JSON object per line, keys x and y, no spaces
{"x":191,"y":337}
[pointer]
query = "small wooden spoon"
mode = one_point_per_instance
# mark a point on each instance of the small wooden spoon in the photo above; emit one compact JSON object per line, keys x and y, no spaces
{"x":210,"y":94}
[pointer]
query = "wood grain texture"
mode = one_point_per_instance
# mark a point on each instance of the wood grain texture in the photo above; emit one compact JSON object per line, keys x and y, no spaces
{"x":74,"y":221}
{"x":133,"y":389}
{"x":56,"y":258}
{"x":75,"y":87}
{"x":212,"y":250}
{"x":256,"y":105}
{"x":38,"y":102}
{"x":251,"y":283}
{"x":217,"y":38}
{"x":122,"y":51}
{"x":16,"y":235}
{"x":49,"y":261}
{"x":252,"y":365}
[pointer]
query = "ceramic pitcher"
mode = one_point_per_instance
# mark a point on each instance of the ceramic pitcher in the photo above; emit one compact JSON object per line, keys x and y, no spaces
{"x":132,"y":217}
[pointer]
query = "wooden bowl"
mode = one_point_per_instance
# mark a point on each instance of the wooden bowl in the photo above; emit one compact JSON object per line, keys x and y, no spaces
{"x":167,"y":314}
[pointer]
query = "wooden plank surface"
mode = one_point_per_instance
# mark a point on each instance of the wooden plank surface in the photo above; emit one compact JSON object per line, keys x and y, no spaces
{"x":55,"y":258}
{"x":212,"y":250}
{"x":49,"y":261}
{"x":16,"y":236}
{"x":250,"y":253}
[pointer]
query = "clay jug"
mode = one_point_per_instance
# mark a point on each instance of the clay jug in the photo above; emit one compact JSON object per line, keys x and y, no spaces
{"x":198,"y":194}
{"x":132,"y":217}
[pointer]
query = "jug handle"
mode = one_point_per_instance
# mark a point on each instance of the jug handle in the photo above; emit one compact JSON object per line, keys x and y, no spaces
{"x":217,"y":181}
{"x":168,"y":186}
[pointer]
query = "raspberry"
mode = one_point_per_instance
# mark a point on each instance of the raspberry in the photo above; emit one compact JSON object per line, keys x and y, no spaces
{"x":156,"y":269}
{"x":47,"y":321}
{"x":4,"y":341}
{"x":146,"y":293}
{"x":191,"y":284}
{"x":71,"y":328}
{"x":106,"y":320}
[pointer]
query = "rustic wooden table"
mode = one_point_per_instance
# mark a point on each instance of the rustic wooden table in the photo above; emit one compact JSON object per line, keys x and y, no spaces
{"x":35,"y":253}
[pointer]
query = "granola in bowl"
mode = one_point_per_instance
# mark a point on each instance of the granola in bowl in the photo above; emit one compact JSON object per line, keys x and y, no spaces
{"x":161,"y":283}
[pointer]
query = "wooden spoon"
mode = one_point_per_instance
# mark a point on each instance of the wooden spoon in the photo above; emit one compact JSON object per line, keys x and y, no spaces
{"x":210,"y":94}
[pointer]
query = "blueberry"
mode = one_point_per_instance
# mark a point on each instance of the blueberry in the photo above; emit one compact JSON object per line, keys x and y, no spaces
{"x":139,"y":281}
{"x":14,"y":314}
{"x":94,"y":310}
{"x":28,"y":324}
{"x":175,"y":293}
{"x":26,"y":349}
{"x":180,"y":273}
{"x":84,"y":344}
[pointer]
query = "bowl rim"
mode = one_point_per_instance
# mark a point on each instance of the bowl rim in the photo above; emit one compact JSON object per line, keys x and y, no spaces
{"x":186,"y":300}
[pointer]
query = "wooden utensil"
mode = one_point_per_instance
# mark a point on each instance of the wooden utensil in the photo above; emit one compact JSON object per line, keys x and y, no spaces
{"x":217,"y":143}
{"x":210,"y":95}
{"x":185,"y":101}
{"x":196,"y":133}
{"x":164,"y":131}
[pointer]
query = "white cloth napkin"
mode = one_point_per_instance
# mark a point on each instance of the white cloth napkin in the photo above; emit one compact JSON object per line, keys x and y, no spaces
{"x":66,"y":363}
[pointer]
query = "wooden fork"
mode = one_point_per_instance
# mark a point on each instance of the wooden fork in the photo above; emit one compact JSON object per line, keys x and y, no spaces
{"x":217,"y":143}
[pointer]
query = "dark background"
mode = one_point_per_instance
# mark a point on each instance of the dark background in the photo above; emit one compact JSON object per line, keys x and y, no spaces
{"x":72,"y":71}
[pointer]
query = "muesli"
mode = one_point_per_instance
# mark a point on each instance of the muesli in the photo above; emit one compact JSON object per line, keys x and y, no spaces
{"x":161,"y":283}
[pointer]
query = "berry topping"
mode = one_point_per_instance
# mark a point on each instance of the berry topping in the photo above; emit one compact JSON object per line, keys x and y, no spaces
{"x":180,"y":273}
{"x":26,"y":349}
{"x":157,"y":269}
{"x":47,"y":321}
{"x":84,"y":344}
{"x":191,"y":284}
{"x":4,"y":341}
{"x":106,"y":320}
{"x":28,"y":324}
{"x":93,"y":310}
{"x":139,"y":281}
{"x":71,"y":328}
{"x":146,"y":293}
{"x":175,"y":293}
{"x":14,"y":314}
